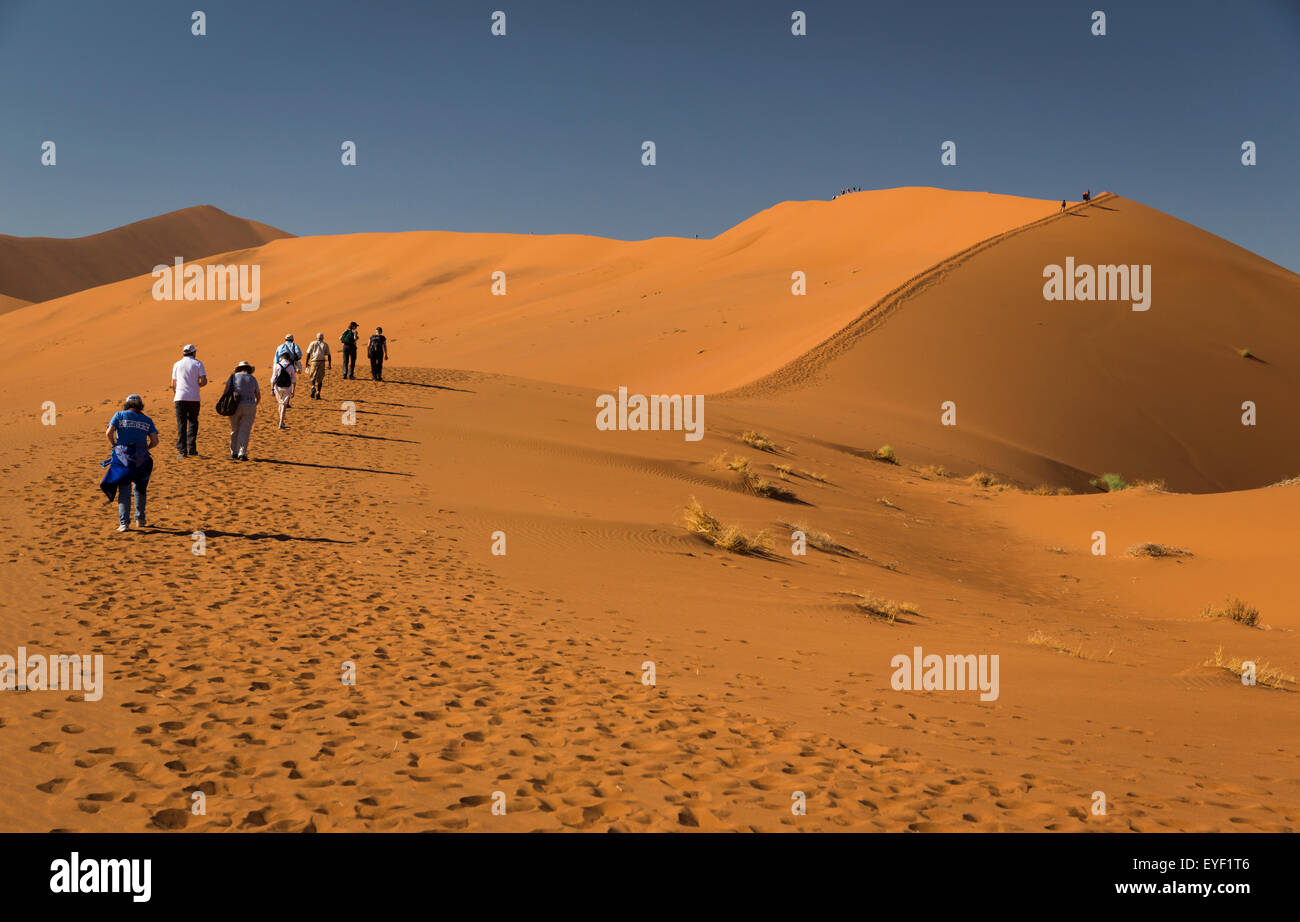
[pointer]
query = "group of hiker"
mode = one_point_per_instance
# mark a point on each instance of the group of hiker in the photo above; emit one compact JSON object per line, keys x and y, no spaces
{"x":132,"y":435}
{"x":845,"y":191}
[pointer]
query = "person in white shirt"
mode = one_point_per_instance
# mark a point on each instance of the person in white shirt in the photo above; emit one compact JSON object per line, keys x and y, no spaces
{"x":188,"y":375}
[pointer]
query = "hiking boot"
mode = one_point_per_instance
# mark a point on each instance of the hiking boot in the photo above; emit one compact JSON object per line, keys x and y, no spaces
{"x":141,"y":523}
{"x":122,"y":527}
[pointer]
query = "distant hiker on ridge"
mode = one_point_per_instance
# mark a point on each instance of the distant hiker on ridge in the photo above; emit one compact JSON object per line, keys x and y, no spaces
{"x":1087,"y":196}
{"x":188,"y":375}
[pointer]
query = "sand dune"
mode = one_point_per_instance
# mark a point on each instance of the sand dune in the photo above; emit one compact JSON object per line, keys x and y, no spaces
{"x":41,"y":268}
{"x":11,"y":304}
{"x":675,"y":314}
{"x":1046,"y":390}
{"x":522,"y":674}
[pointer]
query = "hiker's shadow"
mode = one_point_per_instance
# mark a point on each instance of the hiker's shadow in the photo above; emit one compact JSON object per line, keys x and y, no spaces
{"x":250,"y":536}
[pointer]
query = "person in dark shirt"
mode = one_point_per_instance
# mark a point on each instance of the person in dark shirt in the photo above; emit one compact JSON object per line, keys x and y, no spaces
{"x":377,"y":352}
{"x":349,"y":341}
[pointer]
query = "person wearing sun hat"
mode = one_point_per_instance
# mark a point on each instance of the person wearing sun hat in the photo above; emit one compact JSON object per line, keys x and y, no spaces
{"x":245,"y":385}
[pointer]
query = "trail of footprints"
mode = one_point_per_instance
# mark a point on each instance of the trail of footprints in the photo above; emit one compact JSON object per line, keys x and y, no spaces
{"x":230,"y":667}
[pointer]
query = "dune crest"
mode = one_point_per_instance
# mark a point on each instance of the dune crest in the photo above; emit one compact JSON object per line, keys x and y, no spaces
{"x":41,"y":268}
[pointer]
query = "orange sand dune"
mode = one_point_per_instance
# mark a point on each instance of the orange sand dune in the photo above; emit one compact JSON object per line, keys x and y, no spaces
{"x":371,"y":541}
{"x":40,"y":268}
{"x":1046,"y":391}
{"x":11,"y":304}
{"x":522,"y":673}
{"x":669,"y":313}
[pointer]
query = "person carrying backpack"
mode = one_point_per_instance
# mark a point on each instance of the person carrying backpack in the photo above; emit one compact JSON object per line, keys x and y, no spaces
{"x":377,"y":351}
{"x":349,"y":341}
{"x":284,"y":378}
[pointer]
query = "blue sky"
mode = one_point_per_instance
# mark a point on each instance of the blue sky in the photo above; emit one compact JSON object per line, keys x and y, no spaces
{"x":540,"y":131}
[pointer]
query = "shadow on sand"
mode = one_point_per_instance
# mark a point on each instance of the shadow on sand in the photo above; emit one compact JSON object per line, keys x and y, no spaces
{"x":331,"y":467}
{"x":251,"y":536}
{"x":377,"y":438}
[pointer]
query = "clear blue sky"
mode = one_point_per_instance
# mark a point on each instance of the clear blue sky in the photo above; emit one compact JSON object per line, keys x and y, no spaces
{"x":541,"y":131}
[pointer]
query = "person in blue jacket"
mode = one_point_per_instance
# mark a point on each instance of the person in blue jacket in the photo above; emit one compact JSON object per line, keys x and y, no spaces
{"x":131,"y":435}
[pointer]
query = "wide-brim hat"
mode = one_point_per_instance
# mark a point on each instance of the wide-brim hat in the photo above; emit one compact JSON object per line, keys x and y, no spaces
{"x":244,"y":365}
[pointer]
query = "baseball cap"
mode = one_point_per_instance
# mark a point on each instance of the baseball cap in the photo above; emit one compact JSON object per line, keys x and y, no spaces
{"x":190,"y":349}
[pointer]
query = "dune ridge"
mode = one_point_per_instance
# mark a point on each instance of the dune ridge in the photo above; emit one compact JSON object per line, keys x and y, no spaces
{"x":37,"y":269}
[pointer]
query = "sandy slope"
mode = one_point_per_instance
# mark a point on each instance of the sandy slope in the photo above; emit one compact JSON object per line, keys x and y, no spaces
{"x":40,"y":268}
{"x":682,"y":315}
{"x":1049,"y":391}
{"x":480,"y":673}
{"x":11,"y":304}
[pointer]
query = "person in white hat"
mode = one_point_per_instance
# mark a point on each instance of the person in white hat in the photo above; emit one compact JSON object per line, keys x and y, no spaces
{"x":188,"y":375}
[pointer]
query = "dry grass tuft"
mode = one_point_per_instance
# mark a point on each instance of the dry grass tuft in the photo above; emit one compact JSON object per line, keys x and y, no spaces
{"x":885,"y":453}
{"x":752,"y":482}
{"x":1234,"y":609}
{"x":726,"y":537}
{"x":1148,"y":549}
{"x":757,"y":440}
{"x":822,"y":541}
{"x":876,"y":607}
{"x":987,"y":481}
{"x":1040,"y":639}
{"x":933,"y":470}
{"x":1265,"y":674}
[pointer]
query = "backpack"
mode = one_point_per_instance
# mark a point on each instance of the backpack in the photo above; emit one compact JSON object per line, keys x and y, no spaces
{"x":282,"y":378}
{"x":348,"y":338}
{"x":376,"y":347}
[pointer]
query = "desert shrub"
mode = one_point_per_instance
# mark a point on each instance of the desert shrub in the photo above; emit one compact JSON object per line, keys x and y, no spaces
{"x":727,"y":537}
{"x":1265,"y":673}
{"x":1149,"y":549}
{"x":1111,"y":483}
{"x":876,"y":607}
{"x":756,"y":440}
{"x":1234,"y":609}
